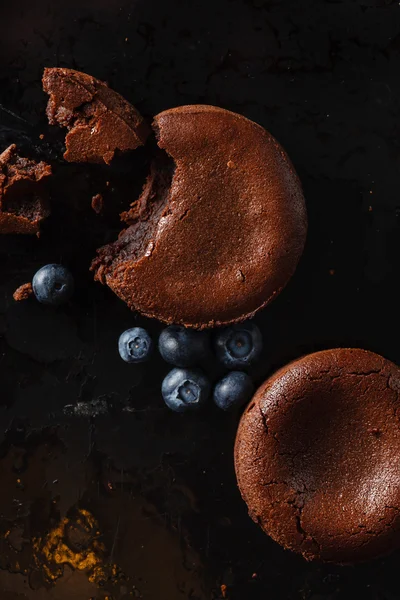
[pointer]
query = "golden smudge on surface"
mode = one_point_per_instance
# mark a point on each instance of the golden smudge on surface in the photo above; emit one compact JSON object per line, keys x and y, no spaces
{"x":76,"y":542}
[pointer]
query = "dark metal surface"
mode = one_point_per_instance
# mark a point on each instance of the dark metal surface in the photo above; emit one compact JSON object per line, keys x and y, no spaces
{"x":104,"y":492}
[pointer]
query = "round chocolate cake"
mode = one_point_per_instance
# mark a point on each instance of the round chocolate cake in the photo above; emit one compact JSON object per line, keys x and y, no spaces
{"x":317,"y":456}
{"x":218,"y":230}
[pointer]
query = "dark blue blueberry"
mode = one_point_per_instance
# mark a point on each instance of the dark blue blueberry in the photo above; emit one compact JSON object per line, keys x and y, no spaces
{"x":53,"y":284}
{"x":239,"y":346}
{"x":185,"y":389}
{"x":135,"y":345}
{"x":183,"y":347}
{"x":234,"y":390}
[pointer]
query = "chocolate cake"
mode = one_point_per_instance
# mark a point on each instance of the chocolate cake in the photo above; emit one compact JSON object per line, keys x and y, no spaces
{"x":317,"y":456}
{"x":219,"y":228}
{"x":99,"y":121}
{"x":23,"y":202}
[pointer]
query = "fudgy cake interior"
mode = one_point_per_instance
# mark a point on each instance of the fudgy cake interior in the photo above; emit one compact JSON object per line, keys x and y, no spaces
{"x":23,"y":203}
{"x":143,"y":218}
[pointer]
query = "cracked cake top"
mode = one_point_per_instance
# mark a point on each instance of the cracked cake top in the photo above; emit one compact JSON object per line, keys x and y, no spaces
{"x":317,"y":456}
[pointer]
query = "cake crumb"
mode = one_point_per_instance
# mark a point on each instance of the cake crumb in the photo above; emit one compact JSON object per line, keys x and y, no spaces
{"x":41,"y":136}
{"x":230,"y":164}
{"x":223,"y":590}
{"x":97,"y":203}
{"x":375,"y":431}
{"x":24,"y":292}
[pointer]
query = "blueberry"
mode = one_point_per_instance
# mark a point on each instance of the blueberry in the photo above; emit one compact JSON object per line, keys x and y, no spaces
{"x":234,"y":390}
{"x":183,"y":347}
{"x":53,"y":284}
{"x":135,"y":345}
{"x":239,"y":346}
{"x":185,"y":390}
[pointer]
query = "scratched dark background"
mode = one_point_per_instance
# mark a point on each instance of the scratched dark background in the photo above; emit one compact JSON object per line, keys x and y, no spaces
{"x":92,"y":465}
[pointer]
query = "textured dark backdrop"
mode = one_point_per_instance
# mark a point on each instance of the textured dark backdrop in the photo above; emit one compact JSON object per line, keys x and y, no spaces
{"x":159,"y":489}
